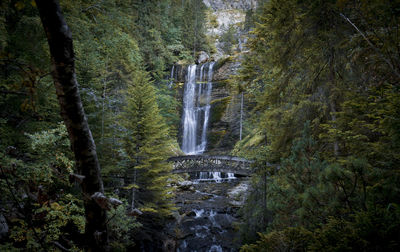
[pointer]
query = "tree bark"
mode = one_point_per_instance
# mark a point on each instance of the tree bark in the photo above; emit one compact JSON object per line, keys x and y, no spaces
{"x":331,"y":100}
{"x":63,"y":64}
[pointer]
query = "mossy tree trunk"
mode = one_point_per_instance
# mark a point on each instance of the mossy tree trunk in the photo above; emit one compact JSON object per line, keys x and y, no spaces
{"x":63,"y":63}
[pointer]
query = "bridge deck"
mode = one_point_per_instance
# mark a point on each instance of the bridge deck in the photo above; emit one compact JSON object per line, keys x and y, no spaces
{"x":199,"y":163}
{"x":197,"y":157}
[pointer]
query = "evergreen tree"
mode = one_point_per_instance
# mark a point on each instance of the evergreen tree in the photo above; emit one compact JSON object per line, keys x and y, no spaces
{"x":105,"y":42}
{"x":147,"y":146}
{"x":330,"y":63}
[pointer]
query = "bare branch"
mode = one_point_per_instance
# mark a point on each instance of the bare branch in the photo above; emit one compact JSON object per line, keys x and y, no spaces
{"x":76,"y":177}
{"x":372,"y":45}
{"x":61,"y":247}
{"x":6,"y":92}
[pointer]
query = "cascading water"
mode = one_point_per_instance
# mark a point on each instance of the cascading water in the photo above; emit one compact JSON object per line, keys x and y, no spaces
{"x":217,"y":177}
{"x":189,"y":113}
{"x":208,"y":228}
{"x":196,"y":108}
{"x":171,"y":78}
{"x":196,"y":114}
{"x":207,"y":106}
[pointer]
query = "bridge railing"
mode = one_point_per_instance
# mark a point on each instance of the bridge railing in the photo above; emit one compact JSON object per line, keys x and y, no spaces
{"x":192,"y":163}
{"x":199,"y":157}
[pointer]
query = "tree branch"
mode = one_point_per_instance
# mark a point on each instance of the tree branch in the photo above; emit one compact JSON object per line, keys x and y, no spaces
{"x":372,"y":45}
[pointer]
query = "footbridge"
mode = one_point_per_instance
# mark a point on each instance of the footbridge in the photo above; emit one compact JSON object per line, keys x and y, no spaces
{"x":203,"y":163}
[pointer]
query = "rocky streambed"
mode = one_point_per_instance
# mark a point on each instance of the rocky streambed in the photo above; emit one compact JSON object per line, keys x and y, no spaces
{"x":208,"y":214}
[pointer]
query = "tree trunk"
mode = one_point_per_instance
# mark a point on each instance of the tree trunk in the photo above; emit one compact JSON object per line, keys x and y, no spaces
{"x":332,"y":104}
{"x":63,"y":64}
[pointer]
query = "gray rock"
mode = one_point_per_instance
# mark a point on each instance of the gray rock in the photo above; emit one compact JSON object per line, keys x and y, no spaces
{"x":191,"y":214}
{"x":186,"y":185}
{"x":3,"y":226}
{"x":202,"y":57}
{"x":230,"y":4}
{"x":228,"y":67}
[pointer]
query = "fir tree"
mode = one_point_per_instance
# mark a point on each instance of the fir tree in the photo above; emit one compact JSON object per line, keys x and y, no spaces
{"x":331,"y":63}
{"x":147,"y":146}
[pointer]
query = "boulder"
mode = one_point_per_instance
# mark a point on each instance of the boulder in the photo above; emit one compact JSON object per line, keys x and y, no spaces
{"x":186,"y":186}
{"x":3,"y":226}
{"x":202,"y":57}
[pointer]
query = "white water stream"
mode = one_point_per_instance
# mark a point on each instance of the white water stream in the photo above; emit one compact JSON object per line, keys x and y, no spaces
{"x":210,"y":224}
{"x":196,"y":114}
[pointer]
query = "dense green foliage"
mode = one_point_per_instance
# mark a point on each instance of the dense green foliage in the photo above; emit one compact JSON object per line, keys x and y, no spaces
{"x":124,"y":50}
{"x":321,"y":79}
{"x":327,"y":113}
{"x":146,"y":146}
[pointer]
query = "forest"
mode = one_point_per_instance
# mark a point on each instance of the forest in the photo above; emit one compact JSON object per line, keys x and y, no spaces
{"x":296,"y":102}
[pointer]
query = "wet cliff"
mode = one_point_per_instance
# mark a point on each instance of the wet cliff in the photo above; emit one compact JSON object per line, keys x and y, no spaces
{"x":226,"y":28}
{"x":223,"y":126}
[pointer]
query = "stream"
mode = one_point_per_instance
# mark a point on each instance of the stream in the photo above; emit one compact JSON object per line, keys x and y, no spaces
{"x":208,"y":202}
{"x":208,"y":210}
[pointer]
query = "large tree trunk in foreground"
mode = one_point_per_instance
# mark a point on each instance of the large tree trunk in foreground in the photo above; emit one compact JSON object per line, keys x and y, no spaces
{"x":62,"y":56}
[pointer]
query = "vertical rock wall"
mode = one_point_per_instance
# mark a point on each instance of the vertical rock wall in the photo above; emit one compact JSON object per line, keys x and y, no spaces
{"x":223,"y":127}
{"x":223,"y":130}
{"x":230,"y":4}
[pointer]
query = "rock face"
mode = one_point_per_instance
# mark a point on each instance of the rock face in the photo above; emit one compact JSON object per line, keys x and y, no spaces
{"x":230,"y":4}
{"x":224,"y":123}
{"x":224,"y":16}
{"x":223,"y":131}
{"x":202,"y":57}
{"x":226,"y":68}
{"x":3,"y":226}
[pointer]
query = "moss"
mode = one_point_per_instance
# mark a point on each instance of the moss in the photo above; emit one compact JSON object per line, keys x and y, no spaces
{"x":221,"y":100}
{"x":214,"y":138}
{"x":206,"y":197}
{"x":185,"y":61}
{"x":218,"y":108}
{"x":221,"y":84}
{"x":179,"y":85}
{"x":222,"y":62}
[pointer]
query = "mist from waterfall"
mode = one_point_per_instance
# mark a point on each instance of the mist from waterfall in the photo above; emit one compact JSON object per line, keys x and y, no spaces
{"x":196,"y":108}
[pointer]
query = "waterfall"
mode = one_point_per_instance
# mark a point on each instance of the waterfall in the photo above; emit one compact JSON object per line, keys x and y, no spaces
{"x":241,"y":116}
{"x":189,"y":113}
{"x":217,"y":177}
{"x":196,"y":108}
{"x":240,"y":46}
{"x":171,"y":78}
{"x":196,"y":114}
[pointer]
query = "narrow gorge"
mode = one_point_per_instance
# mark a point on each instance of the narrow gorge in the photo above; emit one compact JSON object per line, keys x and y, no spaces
{"x":199,"y":125}
{"x":209,"y":201}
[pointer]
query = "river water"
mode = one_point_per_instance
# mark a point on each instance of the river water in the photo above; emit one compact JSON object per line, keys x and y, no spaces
{"x":208,"y":202}
{"x":208,"y":213}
